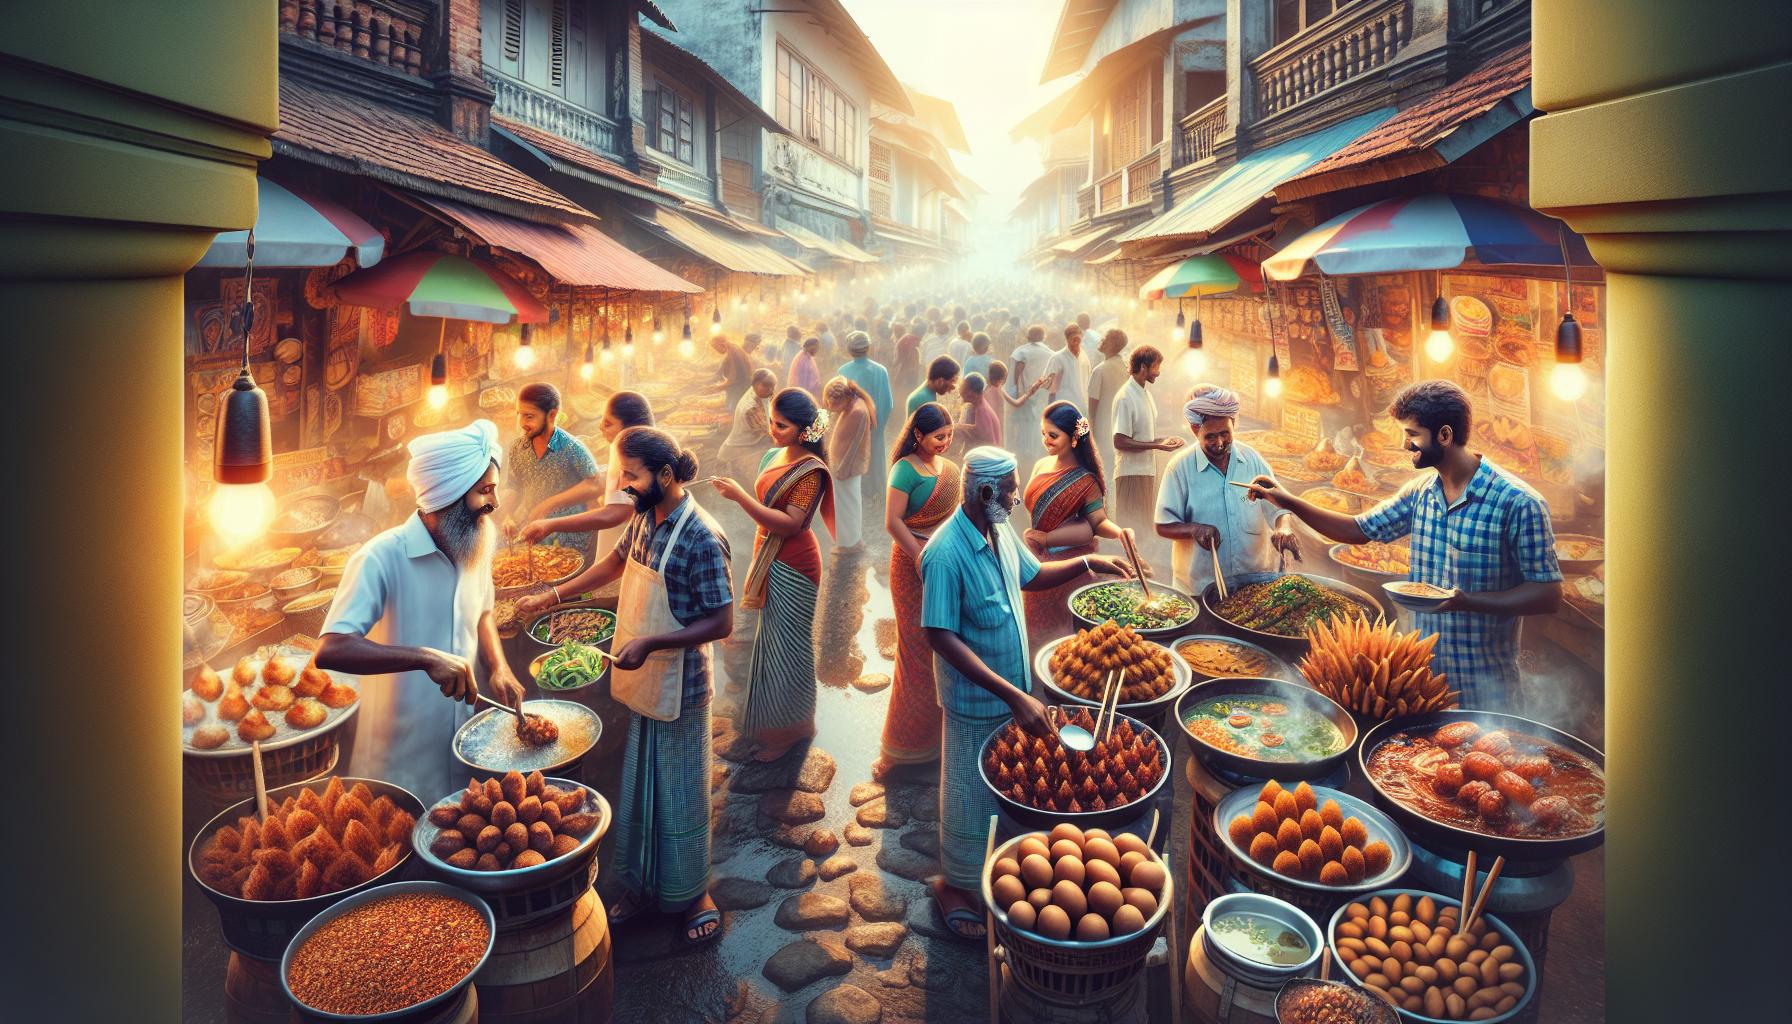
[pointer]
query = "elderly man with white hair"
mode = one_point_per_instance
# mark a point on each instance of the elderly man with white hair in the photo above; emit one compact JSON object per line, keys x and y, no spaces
{"x":972,"y":573}
{"x":1198,"y":508}
{"x":414,"y":608}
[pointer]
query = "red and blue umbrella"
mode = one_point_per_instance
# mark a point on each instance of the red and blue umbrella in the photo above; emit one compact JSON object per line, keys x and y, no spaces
{"x":443,"y":285}
{"x":297,"y":229}
{"x":1435,"y":231}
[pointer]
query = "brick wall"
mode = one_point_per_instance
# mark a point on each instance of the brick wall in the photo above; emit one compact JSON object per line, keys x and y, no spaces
{"x":466,"y":102}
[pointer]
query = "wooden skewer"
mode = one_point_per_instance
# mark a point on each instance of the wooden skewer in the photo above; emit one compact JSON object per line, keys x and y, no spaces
{"x":1468,"y":890}
{"x":1132,"y":555}
{"x":1101,"y":710}
{"x":1325,"y":964}
{"x":1493,"y":875}
{"x":989,"y":936}
{"x":1114,"y":704}
{"x":261,"y":782}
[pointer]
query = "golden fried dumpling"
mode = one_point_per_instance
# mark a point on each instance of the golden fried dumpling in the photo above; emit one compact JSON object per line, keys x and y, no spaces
{"x":207,"y":684}
{"x":311,"y":681}
{"x":278,"y":671}
{"x":254,"y":726}
{"x":209,"y":737}
{"x":273,"y":697}
{"x":338,"y":695}
{"x":244,"y":673}
{"x":306,"y":714}
{"x":233,"y":705}
{"x":192,"y":710}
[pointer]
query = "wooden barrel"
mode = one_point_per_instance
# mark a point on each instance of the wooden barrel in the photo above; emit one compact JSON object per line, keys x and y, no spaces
{"x":252,"y":992}
{"x":553,"y":970}
{"x":462,"y":1010}
{"x":1211,"y":996}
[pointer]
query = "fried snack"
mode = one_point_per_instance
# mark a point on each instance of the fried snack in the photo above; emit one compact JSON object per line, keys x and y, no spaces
{"x":233,"y":705}
{"x":273,"y":697}
{"x":306,"y":714}
{"x":511,"y":567}
{"x":209,"y":737}
{"x":244,"y":673}
{"x":277,"y":672}
{"x":254,"y":727}
{"x":338,"y":695}
{"x":1290,"y":835}
{"x":1123,"y":767}
{"x":192,"y":709}
{"x":513,"y":787}
{"x":311,"y":682}
{"x":537,"y":731}
{"x":1375,"y":670}
{"x":1080,"y":664}
{"x":300,"y":852}
{"x":206,"y":684}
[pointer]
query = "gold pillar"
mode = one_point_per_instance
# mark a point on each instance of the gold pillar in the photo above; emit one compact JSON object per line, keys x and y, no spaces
{"x":131,"y":133}
{"x":1665,"y":143}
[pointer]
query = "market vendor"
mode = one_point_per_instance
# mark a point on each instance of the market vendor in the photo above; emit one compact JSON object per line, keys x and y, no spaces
{"x":1477,"y":531}
{"x":1199,"y":509}
{"x":972,"y":573}
{"x":676,"y":598}
{"x":607,"y":507}
{"x":414,"y":608}
{"x":544,"y":462}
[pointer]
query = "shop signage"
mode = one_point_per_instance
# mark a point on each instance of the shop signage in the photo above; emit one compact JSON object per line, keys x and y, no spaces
{"x":379,"y":393}
{"x":1343,"y":337}
{"x":1302,"y":423}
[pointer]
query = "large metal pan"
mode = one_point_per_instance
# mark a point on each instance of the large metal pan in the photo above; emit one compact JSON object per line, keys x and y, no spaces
{"x":1292,"y":648}
{"x":1293,"y":694}
{"x":1110,"y":818}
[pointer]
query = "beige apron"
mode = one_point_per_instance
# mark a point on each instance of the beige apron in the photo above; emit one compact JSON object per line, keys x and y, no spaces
{"x":643,"y":609}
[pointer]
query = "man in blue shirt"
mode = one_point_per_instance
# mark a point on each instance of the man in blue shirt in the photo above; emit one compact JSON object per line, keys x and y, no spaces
{"x":544,"y":463}
{"x":1477,"y":532}
{"x":972,"y":573}
{"x":875,"y":379}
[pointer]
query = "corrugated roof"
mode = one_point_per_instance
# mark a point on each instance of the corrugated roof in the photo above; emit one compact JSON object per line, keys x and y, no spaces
{"x":728,"y":250}
{"x":567,"y":156}
{"x":1078,"y":24}
{"x":666,"y":48}
{"x":1077,"y":245}
{"x":575,"y":254}
{"x":349,"y":134}
{"x":1420,"y":137}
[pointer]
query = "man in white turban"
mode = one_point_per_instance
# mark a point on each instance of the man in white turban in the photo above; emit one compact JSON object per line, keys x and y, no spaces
{"x":414,"y":609}
{"x":1198,"y":508}
{"x":972,"y":573}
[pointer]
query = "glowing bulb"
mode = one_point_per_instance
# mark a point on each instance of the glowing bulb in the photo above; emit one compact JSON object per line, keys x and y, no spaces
{"x":740,"y":303}
{"x":438,"y":395}
{"x":1273,"y":387}
{"x":1568,"y":381}
{"x":715,"y":328}
{"x":1176,"y":334}
{"x":606,"y":355}
{"x":763,"y":307}
{"x":587,"y":371}
{"x":525,"y":356}
{"x":686,"y":349}
{"x":240,"y":512}
{"x":659,"y":336}
{"x":1439,"y":346}
{"x":1195,"y":362}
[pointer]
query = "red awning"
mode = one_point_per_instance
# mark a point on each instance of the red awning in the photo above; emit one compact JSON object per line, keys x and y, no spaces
{"x":575,"y":254}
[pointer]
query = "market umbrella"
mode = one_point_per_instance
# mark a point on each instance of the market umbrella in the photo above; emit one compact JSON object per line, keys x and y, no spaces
{"x":1203,"y":275}
{"x":1435,"y":231}
{"x":443,"y":285}
{"x":297,"y":229}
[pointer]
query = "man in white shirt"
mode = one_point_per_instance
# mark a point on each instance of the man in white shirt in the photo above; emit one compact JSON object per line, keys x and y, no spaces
{"x":1105,"y":382}
{"x":1136,"y":443}
{"x":1069,"y":371}
{"x":415,"y":607}
{"x":1197,"y":507}
{"x":959,"y":348}
{"x":935,"y":344}
{"x":1030,"y":362}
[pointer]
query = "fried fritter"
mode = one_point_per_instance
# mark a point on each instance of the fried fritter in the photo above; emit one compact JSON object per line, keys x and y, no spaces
{"x":207,"y":685}
{"x":306,"y":714}
{"x":254,"y":726}
{"x":277,"y":672}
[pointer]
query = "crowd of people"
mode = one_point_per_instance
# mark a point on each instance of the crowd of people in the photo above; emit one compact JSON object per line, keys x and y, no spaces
{"x":992,"y":419}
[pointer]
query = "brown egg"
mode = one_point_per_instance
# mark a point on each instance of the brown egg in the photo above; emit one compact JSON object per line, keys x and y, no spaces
{"x":1105,"y":898}
{"x":1053,"y":923}
{"x":1068,"y":896}
{"x":1127,"y":843}
{"x":1096,"y":833}
{"x":1068,"y":869}
{"x":1127,"y":919}
{"x":1039,"y":898}
{"x":1062,"y":848}
{"x":1007,"y":889}
{"x":1032,"y":844}
{"x":1006,"y":866}
{"x":1099,"y":849}
{"x":1067,"y":831}
{"x":1144,"y":902}
{"x":1022,"y":915}
{"x":1092,"y":928}
{"x":1129,"y":860}
{"x":1148,"y":876}
{"x":1101,"y":871}
{"x":1036,"y":871}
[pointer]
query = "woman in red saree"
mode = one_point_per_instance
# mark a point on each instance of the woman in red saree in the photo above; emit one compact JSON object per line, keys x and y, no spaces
{"x":785,"y":575}
{"x":925,"y":488}
{"x":1066,"y":496}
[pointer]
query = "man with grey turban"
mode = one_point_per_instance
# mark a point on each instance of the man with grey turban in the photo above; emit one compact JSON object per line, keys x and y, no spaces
{"x":972,"y":573}
{"x":415,"y":607}
{"x":1198,"y":508}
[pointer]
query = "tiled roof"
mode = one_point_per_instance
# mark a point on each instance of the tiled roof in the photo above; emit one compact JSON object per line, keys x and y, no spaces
{"x":354,"y":135}
{"x":1400,"y":146}
{"x":576,"y":254}
{"x":569,"y":152}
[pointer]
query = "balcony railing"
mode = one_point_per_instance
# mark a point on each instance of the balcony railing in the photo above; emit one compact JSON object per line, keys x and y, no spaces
{"x":523,"y":102}
{"x":1085,"y":203}
{"x":1140,"y":174}
{"x":1201,"y":131}
{"x":1358,"y":39}
{"x":1109,"y":190}
{"x":1126,"y":187}
{"x":390,"y":33}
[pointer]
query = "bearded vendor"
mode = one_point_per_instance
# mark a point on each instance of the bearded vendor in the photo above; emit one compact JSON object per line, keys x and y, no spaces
{"x":414,"y":609}
{"x":1199,"y":508}
{"x":972,"y":573}
{"x":1479,"y":534}
{"x":675,"y":598}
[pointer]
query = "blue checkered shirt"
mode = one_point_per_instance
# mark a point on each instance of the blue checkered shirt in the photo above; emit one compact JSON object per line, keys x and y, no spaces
{"x":1495,"y":537}
{"x":696,"y":577}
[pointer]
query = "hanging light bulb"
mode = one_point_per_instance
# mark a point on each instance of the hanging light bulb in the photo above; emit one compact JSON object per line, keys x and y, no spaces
{"x":438,"y":381}
{"x":715,"y":322}
{"x":686,"y":347}
{"x":1439,"y":346}
{"x":1181,"y":324}
{"x":243,"y":456}
{"x":1568,"y":380}
{"x":1272,"y":385}
{"x":525,"y":350}
{"x":658,"y":335}
{"x":604,"y":355}
{"x":588,"y":368}
{"x":628,"y":342}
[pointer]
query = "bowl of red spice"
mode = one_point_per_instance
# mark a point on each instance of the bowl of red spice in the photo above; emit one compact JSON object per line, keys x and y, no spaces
{"x":388,"y":953}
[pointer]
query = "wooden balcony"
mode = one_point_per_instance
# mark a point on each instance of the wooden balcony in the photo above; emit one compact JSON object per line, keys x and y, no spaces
{"x":523,"y":102}
{"x":1140,"y":174}
{"x":390,"y":33}
{"x":1109,"y":190}
{"x":1201,"y":131}
{"x":1085,"y":203}
{"x":1354,"y":41}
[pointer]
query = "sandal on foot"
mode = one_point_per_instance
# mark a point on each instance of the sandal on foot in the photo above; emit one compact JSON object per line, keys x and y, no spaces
{"x":711,"y":919}
{"x":958,"y":918}
{"x":627,"y":907}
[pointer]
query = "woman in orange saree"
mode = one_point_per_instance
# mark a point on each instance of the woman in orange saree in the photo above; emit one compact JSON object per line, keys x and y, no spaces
{"x":925,"y":489}
{"x":1067,"y":498}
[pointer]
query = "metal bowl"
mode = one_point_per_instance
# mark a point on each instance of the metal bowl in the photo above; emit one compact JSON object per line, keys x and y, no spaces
{"x":324,"y":509}
{"x":1335,"y":553}
{"x":1278,"y":668}
{"x":1162,"y":633}
{"x":1291,"y":648}
{"x":369,"y":896}
{"x":532,"y":587}
{"x":1511,"y":937}
{"x":1151,"y":709}
{"x":1282,"y":912}
{"x":1112,"y":817}
{"x":1379,"y":826}
{"x":548,"y":616}
{"x":287,"y":593}
{"x":262,"y":928}
{"x":477,"y":722}
{"x":514,"y":879}
{"x":1437,"y":834}
{"x":1284,"y":691}
{"x":535,"y":666}
{"x":285,"y":735}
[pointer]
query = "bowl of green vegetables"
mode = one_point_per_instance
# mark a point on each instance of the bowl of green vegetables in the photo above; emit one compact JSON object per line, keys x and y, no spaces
{"x":571,"y":666}
{"x":1168,"y":612}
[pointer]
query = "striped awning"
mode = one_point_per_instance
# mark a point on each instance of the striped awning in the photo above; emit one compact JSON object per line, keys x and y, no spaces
{"x":727,"y":249}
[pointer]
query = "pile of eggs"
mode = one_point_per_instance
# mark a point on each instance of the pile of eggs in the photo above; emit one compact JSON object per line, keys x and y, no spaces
{"x":1076,"y":885}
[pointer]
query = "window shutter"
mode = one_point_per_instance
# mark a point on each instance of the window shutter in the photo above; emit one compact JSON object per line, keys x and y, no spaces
{"x":650,"y":115}
{"x":557,"y":46}
{"x":513,"y":31}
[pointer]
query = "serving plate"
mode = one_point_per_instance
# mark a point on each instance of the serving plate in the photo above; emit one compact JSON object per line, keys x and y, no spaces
{"x":285,"y":735}
{"x":514,"y":879}
{"x":1180,"y":675}
{"x":1378,"y":825}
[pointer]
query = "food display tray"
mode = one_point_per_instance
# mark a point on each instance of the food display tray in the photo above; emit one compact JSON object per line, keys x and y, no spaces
{"x":286,"y":736}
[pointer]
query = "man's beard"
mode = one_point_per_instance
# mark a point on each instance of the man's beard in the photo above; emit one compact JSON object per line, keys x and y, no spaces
{"x":1217,"y":455}
{"x":645,"y":503}
{"x":996,"y":512}
{"x":1429,"y":454}
{"x":464,"y":534}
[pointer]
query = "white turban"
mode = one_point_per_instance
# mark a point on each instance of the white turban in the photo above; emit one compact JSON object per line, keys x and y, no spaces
{"x":988,"y":461}
{"x":446,"y":465}
{"x":1210,"y":400}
